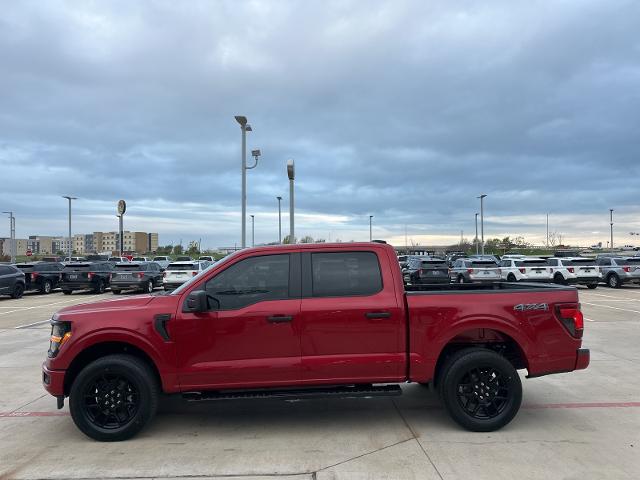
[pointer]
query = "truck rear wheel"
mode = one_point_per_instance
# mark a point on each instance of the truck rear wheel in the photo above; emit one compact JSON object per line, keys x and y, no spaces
{"x":114,"y":397}
{"x":480,"y":389}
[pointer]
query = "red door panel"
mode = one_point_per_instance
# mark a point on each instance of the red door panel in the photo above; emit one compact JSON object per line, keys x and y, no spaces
{"x":239,"y":348}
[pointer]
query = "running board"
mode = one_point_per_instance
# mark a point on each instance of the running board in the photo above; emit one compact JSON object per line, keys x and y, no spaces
{"x":356,"y":391}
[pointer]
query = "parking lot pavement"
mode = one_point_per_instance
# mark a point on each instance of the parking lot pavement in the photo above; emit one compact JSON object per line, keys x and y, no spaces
{"x":579,"y":425}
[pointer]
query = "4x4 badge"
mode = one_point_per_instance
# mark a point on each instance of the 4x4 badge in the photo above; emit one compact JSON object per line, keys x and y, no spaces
{"x":525,"y":307}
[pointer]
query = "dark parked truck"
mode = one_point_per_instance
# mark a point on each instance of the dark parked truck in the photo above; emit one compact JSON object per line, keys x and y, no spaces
{"x":308,"y":321}
{"x":42,"y":276}
{"x":143,"y":276}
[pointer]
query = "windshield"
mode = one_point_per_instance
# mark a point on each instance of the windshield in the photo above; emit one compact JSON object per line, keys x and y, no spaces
{"x":576,"y":263}
{"x":185,"y":285}
{"x":484,"y":264}
{"x":182,"y":266}
{"x":132,"y":267}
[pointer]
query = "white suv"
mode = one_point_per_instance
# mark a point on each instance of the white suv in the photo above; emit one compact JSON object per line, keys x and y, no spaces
{"x":575,"y":270}
{"x":177,"y":273}
{"x":525,"y":269}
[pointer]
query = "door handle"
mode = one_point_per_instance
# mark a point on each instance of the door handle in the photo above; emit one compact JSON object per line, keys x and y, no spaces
{"x":279,"y":318}
{"x":377,"y":315}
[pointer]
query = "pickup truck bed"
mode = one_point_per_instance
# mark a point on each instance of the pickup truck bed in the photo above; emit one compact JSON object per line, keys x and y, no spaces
{"x":310,"y":320}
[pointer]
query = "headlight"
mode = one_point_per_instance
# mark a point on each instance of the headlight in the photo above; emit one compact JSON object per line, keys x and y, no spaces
{"x":60,"y":333}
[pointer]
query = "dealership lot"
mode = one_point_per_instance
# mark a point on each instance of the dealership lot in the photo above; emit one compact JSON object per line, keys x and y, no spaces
{"x":580,"y":425}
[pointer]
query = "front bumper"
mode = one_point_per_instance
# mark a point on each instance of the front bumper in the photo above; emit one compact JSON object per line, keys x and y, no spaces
{"x":53,"y":381}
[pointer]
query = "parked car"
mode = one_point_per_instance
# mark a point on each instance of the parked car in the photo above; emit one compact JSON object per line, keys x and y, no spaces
{"x":162,"y":261}
{"x":616,"y":271}
{"x":184,"y":258}
{"x":310,"y":320}
{"x":525,"y":269}
{"x":432,"y":270}
{"x":402,"y":261}
{"x":144,"y":276}
{"x":115,"y":260}
{"x":207,"y":258}
{"x":42,"y":276}
{"x":575,"y":270}
{"x":179,"y":272}
{"x":140,"y":259}
{"x":452,"y":257}
{"x":470,"y":270}
{"x":74,"y":259}
{"x":94,"y":276}
{"x":492,"y":258}
{"x":52,"y":259}
{"x":11,"y":281}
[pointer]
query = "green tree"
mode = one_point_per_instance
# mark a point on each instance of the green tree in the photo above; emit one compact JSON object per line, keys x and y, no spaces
{"x":289,"y":240}
{"x":193,"y":249}
{"x":307,"y":239}
{"x":178,"y":250}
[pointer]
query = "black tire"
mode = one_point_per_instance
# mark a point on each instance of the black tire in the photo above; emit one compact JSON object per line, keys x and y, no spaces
{"x":149,"y":287}
{"x":116,"y":291}
{"x":46,"y":287}
{"x":18,"y":290}
{"x":122,"y":378}
{"x":67,"y":292}
{"x":613,"y":281}
{"x":100,"y":287}
{"x":511,"y":278}
{"x":559,"y":279}
{"x":462,"y":389}
{"x":461,"y":279}
{"x":592,"y":285}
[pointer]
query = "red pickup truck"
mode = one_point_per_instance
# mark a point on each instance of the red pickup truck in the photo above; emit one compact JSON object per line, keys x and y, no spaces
{"x":311,"y":320}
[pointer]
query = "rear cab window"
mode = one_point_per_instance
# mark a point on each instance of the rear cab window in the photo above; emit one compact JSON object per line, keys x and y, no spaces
{"x":345,"y":274}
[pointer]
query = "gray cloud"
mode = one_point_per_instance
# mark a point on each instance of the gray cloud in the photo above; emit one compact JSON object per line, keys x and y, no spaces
{"x":405,"y":110}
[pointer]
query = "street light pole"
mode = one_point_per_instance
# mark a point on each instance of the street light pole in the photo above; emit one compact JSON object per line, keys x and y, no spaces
{"x":611,"y":224}
{"x":279,"y":221}
{"x":477,"y":234}
{"x":292,"y":175}
{"x":244,"y":127}
{"x":253,"y":237}
{"x":481,"y":197}
{"x":370,"y":228}
{"x":12,"y":236}
{"x":70,"y":240}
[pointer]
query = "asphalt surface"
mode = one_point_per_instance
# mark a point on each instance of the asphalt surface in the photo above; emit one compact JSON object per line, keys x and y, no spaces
{"x":581,"y":425}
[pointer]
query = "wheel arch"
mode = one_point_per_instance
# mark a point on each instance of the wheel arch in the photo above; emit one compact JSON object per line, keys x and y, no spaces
{"x":102,"y":349}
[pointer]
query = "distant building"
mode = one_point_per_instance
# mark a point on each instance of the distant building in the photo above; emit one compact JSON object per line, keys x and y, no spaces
{"x":152,"y":242}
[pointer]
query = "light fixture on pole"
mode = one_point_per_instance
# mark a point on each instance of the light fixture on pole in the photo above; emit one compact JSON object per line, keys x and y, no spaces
{"x":253,"y":231}
{"x":370,"y":228}
{"x":481,"y":197}
{"x":279,"y":221}
{"x":292,"y":175}
{"x":70,"y":239}
{"x":611,"y":224}
{"x":12,"y":236}
{"x":245,"y":127}
{"x":477,"y":244}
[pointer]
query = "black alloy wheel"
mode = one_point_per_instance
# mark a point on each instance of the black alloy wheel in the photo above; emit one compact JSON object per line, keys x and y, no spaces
{"x":511,"y":278}
{"x":114,"y":397}
{"x":481,"y":389}
{"x":559,"y":279}
{"x":100,"y":287}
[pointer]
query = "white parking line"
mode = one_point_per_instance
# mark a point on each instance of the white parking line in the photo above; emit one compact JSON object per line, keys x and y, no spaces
{"x":42,"y":322}
{"x":24,"y":309}
{"x":612,"y":308}
{"x":618,"y":299}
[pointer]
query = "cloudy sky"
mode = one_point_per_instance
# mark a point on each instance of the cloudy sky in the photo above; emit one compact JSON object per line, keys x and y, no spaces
{"x":405,"y":110}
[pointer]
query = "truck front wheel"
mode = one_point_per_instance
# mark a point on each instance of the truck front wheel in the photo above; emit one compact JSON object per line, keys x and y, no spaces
{"x":480,"y":389}
{"x":114,"y":397}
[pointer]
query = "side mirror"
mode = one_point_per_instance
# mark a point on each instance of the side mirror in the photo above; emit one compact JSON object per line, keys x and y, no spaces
{"x":196,"y":302}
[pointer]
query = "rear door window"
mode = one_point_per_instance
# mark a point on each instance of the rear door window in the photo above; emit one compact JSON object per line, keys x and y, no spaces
{"x":345,"y":274}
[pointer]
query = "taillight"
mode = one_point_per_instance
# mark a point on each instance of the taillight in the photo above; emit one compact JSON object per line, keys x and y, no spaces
{"x":90,"y":275}
{"x":523,"y":270}
{"x":140,"y":275}
{"x":570,"y":269}
{"x":195,"y":273}
{"x":469,"y":270}
{"x":34,"y":275}
{"x":626,"y":269}
{"x":571,"y":317}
